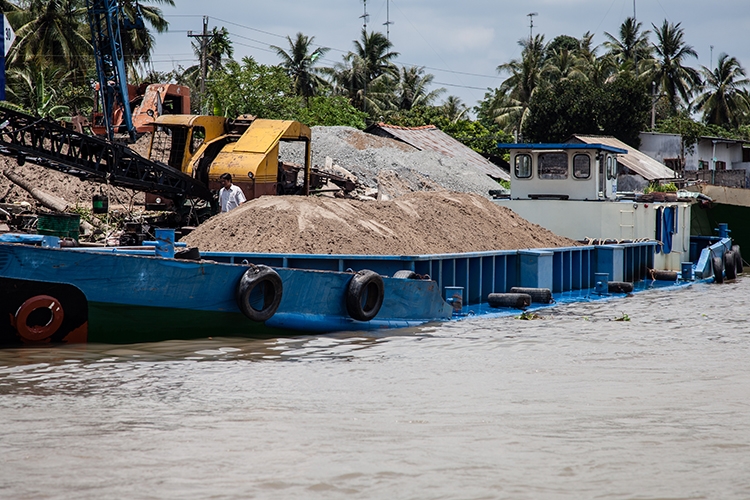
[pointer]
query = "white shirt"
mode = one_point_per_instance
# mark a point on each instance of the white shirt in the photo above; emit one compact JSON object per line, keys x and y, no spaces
{"x":231,"y":198}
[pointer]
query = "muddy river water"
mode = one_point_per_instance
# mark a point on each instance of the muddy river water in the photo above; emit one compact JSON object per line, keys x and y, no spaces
{"x":572,"y":405}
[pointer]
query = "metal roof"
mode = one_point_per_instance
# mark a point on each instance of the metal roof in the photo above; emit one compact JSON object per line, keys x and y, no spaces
{"x":636,"y":161}
{"x":565,"y":145}
{"x":431,"y":138}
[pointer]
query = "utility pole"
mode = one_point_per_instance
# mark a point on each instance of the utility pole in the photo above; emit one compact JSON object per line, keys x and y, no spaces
{"x":364,"y":17}
{"x":635,"y":49}
{"x":531,"y":25}
{"x":711,"y":64}
{"x":204,"y":39}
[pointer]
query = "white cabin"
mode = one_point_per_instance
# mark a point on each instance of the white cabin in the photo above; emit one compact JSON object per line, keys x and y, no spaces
{"x":571,"y":189}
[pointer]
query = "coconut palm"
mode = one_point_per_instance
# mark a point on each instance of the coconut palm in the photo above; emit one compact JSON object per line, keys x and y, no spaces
{"x":724,"y":101}
{"x":367,"y":69}
{"x":49,"y":33}
{"x":631,"y":46}
{"x":138,"y":44}
{"x":673,"y":78}
{"x":511,"y":102}
{"x":454,"y":109}
{"x":299,"y":62}
{"x":412,"y":89}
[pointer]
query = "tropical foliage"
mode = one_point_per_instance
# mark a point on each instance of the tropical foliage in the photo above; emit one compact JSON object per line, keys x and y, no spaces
{"x":553,"y":89}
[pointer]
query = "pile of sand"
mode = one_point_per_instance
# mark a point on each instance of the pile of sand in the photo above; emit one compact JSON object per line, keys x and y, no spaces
{"x":416,"y":223}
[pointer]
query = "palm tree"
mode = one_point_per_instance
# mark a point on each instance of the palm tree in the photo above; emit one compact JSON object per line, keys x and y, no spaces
{"x":35,"y":90}
{"x":512,"y":99}
{"x":49,"y":33}
{"x":672,"y":77}
{"x":725,"y":101}
{"x":138,"y":44}
{"x":369,"y":67}
{"x":631,"y":46}
{"x":412,"y":88}
{"x":299,"y":62}
{"x":454,"y":109}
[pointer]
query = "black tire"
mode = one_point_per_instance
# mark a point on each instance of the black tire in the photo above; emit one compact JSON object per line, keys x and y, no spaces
{"x":717,"y":266}
{"x":514,"y":300}
{"x":406,"y":275}
{"x":730,"y":265}
{"x":364,"y":295}
{"x":664,"y":275}
{"x":738,"y":260}
{"x":619,"y":287}
{"x":538,"y":295}
{"x":260,"y":285}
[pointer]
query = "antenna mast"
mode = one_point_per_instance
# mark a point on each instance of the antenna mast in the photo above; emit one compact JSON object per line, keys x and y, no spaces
{"x":388,"y":21}
{"x":531,"y":25}
{"x":365,"y":16}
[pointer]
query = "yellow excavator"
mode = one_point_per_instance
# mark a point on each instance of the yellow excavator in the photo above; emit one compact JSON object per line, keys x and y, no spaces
{"x":204,"y":147}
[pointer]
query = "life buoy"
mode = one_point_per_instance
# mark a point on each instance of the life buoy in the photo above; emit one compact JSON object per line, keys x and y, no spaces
{"x":36,"y":333}
{"x":364,"y":295}
{"x":259,"y":286}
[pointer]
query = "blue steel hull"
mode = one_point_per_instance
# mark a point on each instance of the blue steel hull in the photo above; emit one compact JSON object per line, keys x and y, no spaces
{"x":118,"y":298}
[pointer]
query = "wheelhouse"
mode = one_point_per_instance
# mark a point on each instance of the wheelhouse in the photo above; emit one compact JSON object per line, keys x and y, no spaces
{"x":563,"y":171}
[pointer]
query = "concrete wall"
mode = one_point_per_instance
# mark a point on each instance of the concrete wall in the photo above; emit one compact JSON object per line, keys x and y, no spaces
{"x":660,"y":146}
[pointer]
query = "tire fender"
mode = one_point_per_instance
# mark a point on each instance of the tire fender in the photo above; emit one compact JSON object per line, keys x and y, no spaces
{"x":364,"y":295}
{"x":730,"y":264}
{"x":36,"y":333}
{"x":738,"y":258}
{"x":259,"y":286}
{"x":717,"y":266}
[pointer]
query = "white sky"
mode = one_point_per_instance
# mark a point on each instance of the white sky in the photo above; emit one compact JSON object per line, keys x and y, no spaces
{"x":460,"y":42}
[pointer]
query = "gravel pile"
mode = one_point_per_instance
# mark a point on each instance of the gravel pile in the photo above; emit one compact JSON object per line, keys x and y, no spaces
{"x":366,"y":155}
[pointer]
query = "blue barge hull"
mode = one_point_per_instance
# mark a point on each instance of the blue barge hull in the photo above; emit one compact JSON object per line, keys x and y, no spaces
{"x":116,"y":295}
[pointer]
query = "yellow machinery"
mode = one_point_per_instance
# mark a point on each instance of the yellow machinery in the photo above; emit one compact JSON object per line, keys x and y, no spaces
{"x":247,"y":148}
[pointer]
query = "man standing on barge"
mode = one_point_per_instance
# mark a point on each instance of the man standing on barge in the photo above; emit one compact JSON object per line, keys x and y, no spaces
{"x":230,"y":196}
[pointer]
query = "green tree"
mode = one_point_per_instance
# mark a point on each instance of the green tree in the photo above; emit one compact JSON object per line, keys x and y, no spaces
{"x":619,"y":108}
{"x":724,"y":101}
{"x":299,"y":62}
{"x":632,"y":44}
{"x":49,"y":33}
{"x":331,"y":111}
{"x":364,"y":69}
{"x":669,"y":71}
{"x":138,"y":44}
{"x":252,"y":88}
{"x":509,"y":106}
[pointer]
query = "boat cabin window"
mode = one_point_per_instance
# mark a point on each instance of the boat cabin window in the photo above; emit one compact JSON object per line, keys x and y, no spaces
{"x":610,"y":167}
{"x":581,"y":166}
{"x":553,"y":166}
{"x":523,"y":166}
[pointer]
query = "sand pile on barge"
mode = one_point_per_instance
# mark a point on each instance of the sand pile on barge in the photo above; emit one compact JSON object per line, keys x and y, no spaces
{"x":416,"y":223}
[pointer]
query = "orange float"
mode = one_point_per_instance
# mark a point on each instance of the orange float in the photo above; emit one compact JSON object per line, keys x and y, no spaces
{"x":38,"y":332}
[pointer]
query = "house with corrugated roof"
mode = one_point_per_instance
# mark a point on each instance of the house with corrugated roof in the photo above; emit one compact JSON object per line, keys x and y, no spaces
{"x":718,"y":160}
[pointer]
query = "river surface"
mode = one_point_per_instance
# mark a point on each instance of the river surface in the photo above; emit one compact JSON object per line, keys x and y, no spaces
{"x":571,"y":405}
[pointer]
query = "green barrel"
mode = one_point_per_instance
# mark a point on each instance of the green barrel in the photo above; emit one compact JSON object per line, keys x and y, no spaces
{"x":100,"y":204}
{"x":62,"y":225}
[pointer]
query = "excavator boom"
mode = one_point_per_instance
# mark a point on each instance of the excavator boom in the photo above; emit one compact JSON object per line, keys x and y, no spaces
{"x":48,"y":144}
